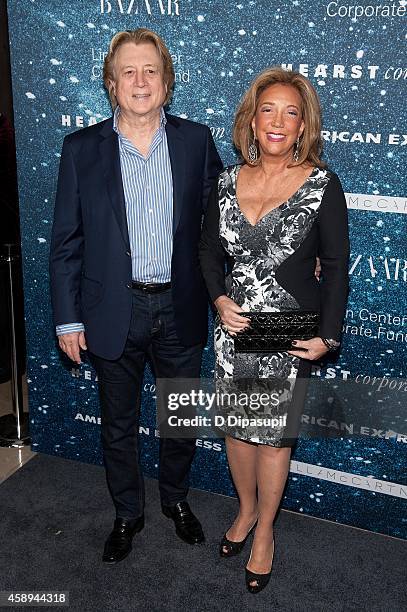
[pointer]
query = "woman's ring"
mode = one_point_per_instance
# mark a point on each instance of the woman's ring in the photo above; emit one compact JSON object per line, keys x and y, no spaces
{"x":225,"y":328}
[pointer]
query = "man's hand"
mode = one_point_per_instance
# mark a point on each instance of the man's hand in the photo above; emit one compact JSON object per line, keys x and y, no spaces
{"x":314,"y":349}
{"x":229,"y":311}
{"x":71,"y":343}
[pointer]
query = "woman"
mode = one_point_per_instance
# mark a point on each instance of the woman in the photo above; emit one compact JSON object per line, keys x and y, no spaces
{"x":271,"y":217}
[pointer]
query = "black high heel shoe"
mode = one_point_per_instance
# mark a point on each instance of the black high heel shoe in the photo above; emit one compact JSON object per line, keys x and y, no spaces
{"x":261,"y":580}
{"x":233,"y":548}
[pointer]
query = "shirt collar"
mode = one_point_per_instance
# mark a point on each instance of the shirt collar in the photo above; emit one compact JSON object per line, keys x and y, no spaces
{"x":116,"y":114}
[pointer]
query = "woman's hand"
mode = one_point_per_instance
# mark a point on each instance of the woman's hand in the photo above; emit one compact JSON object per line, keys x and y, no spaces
{"x":315,"y":349}
{"x":229,"y":311}
{"x":318,"y":268}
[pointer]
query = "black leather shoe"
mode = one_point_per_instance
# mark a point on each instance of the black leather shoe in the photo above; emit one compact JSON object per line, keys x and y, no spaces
{"x":187,"y":526}
{"x":118,"y":544}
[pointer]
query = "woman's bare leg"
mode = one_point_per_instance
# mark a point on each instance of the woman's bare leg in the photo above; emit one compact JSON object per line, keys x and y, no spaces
{"x":272,"y":466}
{"x":242,"y":458}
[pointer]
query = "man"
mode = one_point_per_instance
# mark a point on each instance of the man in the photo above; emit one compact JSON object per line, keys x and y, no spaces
{"x":124,"y":268}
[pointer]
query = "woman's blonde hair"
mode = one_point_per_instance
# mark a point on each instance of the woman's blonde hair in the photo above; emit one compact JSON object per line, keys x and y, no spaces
{"x":139,"y":36}
{"x":310,"y":143}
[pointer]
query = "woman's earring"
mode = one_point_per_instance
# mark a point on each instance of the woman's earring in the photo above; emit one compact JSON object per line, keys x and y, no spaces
{"x":253,"y":153}
{"x":296,"y":152}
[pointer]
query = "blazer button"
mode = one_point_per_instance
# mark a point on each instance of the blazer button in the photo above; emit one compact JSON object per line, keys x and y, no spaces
{"x":128,"y":253}
{"x":128,"y":285}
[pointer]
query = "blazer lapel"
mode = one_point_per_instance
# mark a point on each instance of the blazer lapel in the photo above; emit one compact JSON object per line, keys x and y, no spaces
{"x":176,"y":151}
{"x":110,"y":156}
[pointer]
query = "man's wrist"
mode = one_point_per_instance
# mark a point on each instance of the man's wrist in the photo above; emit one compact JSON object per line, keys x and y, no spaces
{"x":69,"y":328}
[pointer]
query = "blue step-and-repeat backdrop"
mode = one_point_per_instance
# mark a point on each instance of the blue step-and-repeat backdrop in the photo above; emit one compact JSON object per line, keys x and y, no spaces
{"x":352,"y":469}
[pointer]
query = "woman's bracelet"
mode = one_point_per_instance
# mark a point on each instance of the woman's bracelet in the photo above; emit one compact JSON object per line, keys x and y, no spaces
{"x":331,"y":344}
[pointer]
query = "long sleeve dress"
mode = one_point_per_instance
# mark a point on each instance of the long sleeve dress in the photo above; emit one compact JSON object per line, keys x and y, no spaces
{"x":271,"y":268}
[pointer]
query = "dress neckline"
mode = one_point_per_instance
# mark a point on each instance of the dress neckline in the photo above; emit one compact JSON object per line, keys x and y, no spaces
{"x":235,"y":174}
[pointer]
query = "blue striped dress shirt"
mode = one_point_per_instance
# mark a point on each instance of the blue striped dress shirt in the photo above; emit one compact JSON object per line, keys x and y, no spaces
{"x":148,"y":195}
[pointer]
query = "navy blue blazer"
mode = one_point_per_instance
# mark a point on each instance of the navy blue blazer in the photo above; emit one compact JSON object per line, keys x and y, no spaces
{"x":90,"y":260}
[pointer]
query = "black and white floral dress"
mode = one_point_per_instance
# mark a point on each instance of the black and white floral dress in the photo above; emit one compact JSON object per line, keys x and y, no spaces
{"x":272,"y":269}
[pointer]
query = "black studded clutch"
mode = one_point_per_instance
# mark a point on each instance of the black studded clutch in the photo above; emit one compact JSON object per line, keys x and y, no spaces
{"x":274,"y":331}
